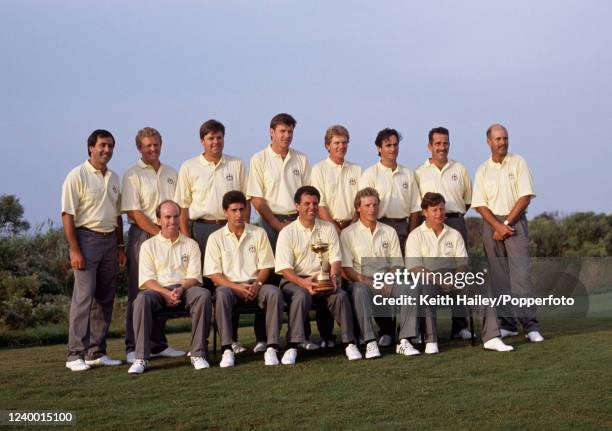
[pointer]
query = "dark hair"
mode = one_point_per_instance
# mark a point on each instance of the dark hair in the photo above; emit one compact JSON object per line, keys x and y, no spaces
{"x":233,"y":197}
{"x":385,"y":134}
{"x":439,"y":130}
{"x":93,"y":138}
{"x":282,"y":118}
{"x":211,"y":126}
{"x":158,"y":209}
{"x":306,"y":190}
{"x":431,"y":200}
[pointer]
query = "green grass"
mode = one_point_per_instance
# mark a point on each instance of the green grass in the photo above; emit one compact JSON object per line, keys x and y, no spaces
{"x":561,"y":384}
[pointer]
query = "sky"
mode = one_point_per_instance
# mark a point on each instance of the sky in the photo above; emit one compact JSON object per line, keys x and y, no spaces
{"x":543,"y":69}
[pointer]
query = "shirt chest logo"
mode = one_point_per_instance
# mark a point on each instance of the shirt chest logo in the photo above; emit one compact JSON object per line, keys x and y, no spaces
{"x":511,"y":176}
{"x":252,"y":248}
{"x":385,"y":245}
{"x":229,"y":177}
{"x":448,"y":246}
{"x":114,"y":189}
{"x":184,"y":259}
{"x":296,"y":172}
{"x":455,"y":177}
{"x":352,"y":181}
{"x":170,"y":181}
{"x":405,"y":185}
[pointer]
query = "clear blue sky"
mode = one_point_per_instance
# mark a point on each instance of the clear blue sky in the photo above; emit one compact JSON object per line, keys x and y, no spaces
{"x":542,"y":68}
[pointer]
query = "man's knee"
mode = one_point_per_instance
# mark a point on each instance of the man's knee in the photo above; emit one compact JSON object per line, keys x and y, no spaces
{"x":360,"y":292}
{"x":223,"y":295}
{"x":200,"y":294}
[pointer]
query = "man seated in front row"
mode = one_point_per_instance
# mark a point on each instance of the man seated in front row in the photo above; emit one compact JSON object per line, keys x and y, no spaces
{"x":238,"y":260}
{"x":170,"y":275}
{"x":435,"y":247}
{"x":299,"y":266}
{"x":367,"y":247}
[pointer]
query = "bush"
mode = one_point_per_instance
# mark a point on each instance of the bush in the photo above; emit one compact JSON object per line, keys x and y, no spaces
{"x":17,"y":313}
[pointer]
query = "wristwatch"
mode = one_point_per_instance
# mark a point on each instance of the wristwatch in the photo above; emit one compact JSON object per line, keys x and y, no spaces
{"x":506,"y":222}
{"x":259,"y":283}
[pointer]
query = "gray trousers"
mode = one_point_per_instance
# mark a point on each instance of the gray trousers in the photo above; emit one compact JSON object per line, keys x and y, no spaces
{"x":408,"y":315}
{"x":269,"y":298}
{"x":195,"y":299}
{"x":488,"y":316}
{"x":271,"y":232}
{"x":361,"y":299}
{"x":300,"y":302}
{"x":401,"y":229}
{"x":459,"y":312}
{"x":136,"y":237}
{"x":93,"y":296}
{"x":511,"y":274}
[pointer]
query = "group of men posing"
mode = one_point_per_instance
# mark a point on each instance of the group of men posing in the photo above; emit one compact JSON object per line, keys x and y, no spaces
{"x":195,"y":223}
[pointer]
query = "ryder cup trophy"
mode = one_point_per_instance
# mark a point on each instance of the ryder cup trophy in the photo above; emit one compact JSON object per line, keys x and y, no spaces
{"x":324,"y":281}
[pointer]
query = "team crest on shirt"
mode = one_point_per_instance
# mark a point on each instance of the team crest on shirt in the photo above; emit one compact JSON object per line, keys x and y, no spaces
{"x":184,"y":259}
{"x":170,"y":181}
{"x":252,"y":248}
{"x":405,"y":185}
{"x":385,"y":245}
{"x":449,"y":245}
{"x":114,"y":189}
{"x":511,"y":176}
{"x":229,"y":177}
{"x":352,"y":181}
{"x":455,"y":177}
{"x":296,"y":172}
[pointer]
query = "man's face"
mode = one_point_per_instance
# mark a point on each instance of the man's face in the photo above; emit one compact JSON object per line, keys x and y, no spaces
{"x":213,"y":144}
{"x":308,"y":208}
{"x":282,"y":136}
{"x":102,"y":152}
{"x":498,"y":141}
{"x":150,"y":149}
{"x":368,"y":209}
{"x":337,"y":147}
{"x":439,"y":148}
{"x":235,"y":214}
{"x":434,"y":215}
{"x":389,"y":149}
{"x":169,"y":220}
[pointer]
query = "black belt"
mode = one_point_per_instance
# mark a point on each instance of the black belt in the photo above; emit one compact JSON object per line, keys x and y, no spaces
{"x":453,"y":215}
{"x":343,"y":223}
{"x":95,"y":232}
{"x":219,"y":222}
{"x":394,"y":220}
{"x":284,"y":217}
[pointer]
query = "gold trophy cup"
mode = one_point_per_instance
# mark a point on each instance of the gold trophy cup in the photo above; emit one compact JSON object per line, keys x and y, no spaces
{"x":324,"y":282}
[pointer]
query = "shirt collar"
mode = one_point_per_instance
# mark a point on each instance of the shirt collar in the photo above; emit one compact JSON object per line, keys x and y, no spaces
{"x":317,"y":225}
{"x":331,"y":163}
{"x":503,"y":162}
{"x":424,"y":228}
{"x":384,"y":168}
{"x":163,"y":239}
{"x":272,"y":153}
{"x":428,"y":164}
{"x":143,"y":165}
{"x":207,"y":163}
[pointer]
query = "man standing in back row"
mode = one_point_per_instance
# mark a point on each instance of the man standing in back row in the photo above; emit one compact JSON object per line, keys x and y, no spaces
{"x":439,"y":174}
{"x":503,"y":190}
{"x":145,"y":185}
{"x":94,"y":230}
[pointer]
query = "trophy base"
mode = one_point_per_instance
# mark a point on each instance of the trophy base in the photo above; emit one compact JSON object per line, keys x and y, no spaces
{"x":324,"y":286}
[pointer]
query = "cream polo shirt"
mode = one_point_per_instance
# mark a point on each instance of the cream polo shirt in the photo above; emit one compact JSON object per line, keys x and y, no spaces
{"x":169,"y":262}
{"x":202,"y":184}
{"x":498,"y":186}
{"x":144,"y":189}
{"x":276,"y":180}
{"x":424,"y":248}
{"x":92,"y":198}
{"x":398,"y":190}
{"x":293,"y":247}
{"x":338,"y":185}
{"x":452,"y":181}
{"x":238,"y":259}
{"x":358,"y":241}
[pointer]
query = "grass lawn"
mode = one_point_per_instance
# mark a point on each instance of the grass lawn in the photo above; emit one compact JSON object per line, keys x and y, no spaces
{"x":563,"y":383}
